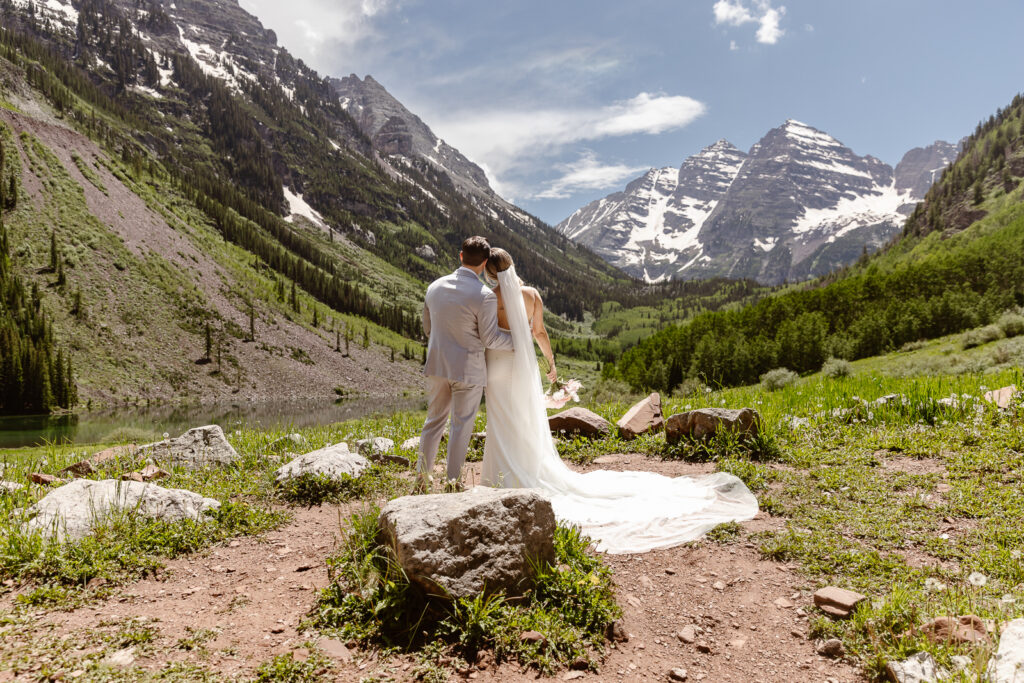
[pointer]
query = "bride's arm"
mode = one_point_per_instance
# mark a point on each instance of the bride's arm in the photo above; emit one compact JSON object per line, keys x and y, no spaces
{"x":540,"y":333}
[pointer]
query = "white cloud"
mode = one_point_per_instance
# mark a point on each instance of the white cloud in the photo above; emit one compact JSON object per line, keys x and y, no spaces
{"x":505,"y":139}
{"x":304,"y":26}
{"x":587,"y":173}
{"x":733,"y":46}
{"x":761,"y":12}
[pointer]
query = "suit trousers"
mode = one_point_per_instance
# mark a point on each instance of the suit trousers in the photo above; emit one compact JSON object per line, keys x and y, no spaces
{"x":461,"y":401}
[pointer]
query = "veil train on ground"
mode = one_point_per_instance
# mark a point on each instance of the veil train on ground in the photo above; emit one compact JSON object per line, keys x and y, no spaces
{"x":623,"y":512}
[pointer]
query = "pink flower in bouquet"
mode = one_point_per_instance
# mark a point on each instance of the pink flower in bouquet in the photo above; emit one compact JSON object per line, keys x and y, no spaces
{"x":561,"y":393}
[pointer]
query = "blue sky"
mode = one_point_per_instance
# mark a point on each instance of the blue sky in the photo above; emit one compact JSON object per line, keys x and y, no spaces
{"x":563,"y":102}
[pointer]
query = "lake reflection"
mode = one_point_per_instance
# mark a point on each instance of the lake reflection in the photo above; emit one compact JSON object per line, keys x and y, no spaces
{"x":95,"y":427}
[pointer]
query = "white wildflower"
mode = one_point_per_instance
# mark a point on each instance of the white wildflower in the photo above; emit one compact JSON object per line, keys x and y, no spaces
{"x":934,"y":584}
{"x":977,"y":579}
{"x":1016,"y":554}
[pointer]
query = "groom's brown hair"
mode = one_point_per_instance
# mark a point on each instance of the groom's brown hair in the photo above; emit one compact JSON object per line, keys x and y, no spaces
{"x":475,"y":250}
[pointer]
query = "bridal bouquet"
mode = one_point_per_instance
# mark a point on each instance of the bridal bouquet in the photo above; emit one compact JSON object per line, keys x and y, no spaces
{"x":560,"y":393}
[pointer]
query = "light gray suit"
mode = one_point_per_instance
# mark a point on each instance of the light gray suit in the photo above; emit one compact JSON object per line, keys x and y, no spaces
{"x":460,"y":319}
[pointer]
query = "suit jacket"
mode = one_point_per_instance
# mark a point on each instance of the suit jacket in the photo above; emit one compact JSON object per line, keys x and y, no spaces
{"x":460,"y":319}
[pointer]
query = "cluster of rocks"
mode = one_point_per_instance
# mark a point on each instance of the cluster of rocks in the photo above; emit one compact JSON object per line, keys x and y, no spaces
{"x":645,"y":417}
{"x":74,"y":509}
{"x":1005,"y":666}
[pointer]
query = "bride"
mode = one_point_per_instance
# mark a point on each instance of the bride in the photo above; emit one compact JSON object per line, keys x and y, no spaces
{"x":623,"y":512}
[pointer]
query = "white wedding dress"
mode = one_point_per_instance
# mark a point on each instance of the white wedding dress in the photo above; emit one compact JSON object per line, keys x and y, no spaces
{"x":623,"y":512}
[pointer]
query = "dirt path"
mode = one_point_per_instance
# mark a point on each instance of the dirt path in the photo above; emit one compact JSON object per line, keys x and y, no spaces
{"x":237,"y":605}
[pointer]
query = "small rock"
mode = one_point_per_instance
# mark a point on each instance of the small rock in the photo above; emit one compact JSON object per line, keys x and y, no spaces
{"x":782,"y":603}
{"x":121,"y":658}
{"x":301,"y":654}
{"x":573,"y":675}
{"x":687,"y":634}
{"x":43,"y":479}
{"x":579,"y":421}
{"x":426,"y":252}
{"x":616,"y":632}
{"x":643,"y":417}
{"x":132,"y":476}
{"x":703,"y":647}
{"x":919,"y":668}
{"x":9,"y":487}
{"x":718,"y":585}
{"x":1002,"y":397}
{"x":80,"y":469}
{"x":531,"y":637}
{"x":288,"y":441}
{"x":151,"y":473}
{"x":967,"y":629}
{"x":837,"y":602}
{"x":678,"y":674}
{"x":833,"y":647}
{"x":374,"y":447}
{"x":411,"y":444}
{"x":477,"y":439}
{"x":335,"y":649}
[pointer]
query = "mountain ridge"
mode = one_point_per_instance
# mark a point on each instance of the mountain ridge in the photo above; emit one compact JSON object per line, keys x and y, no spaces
{"x":798,"y":204}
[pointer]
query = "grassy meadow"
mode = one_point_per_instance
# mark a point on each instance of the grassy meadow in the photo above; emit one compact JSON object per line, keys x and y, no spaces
{"x":915,"y":502}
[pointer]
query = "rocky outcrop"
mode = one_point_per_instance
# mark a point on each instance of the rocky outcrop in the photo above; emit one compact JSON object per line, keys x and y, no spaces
{"x":579,"y":421}
{"x":481,"y":541}
{"x":704,"y":423}
{"x":919,"y":668}
{"x":74,"y":510}
{"x":643,"y":417}
{"x":333,"y":462}
{"x":837,"y":602}
{"x":198,"y":447}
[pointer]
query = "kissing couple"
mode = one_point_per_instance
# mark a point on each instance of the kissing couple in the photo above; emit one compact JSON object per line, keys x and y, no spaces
{"x":481,"y":338}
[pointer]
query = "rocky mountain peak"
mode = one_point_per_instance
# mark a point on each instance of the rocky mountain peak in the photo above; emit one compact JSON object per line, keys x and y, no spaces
{"x":799,"y":204}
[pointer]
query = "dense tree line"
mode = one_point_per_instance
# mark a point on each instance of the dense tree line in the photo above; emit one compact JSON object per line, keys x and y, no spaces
{"x":945,"y":286}
{"x":35,"y":374}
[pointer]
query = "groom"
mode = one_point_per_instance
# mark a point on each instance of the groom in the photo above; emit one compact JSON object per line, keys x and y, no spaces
{"x":460,"y":319}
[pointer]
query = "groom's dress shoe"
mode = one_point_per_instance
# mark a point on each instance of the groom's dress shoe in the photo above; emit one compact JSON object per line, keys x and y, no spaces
{"x":423,"y":483}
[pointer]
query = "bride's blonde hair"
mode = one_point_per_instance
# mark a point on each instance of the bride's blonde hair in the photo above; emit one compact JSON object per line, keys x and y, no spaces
{"x":499,"y":261}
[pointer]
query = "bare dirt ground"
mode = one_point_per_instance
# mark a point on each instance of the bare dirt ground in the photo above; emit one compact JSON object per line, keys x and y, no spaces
{"x":245,"y":600}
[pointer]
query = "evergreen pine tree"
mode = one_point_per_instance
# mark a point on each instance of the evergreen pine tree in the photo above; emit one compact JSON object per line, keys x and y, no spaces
{"x":61,"y":279}
{"x":53,"y":251}
{"x":366,"y":337}
{"x":316,"y":318}
{"x":337,"y":340}
{"x":209,"y":343}
{"x":252,"y":322}
{"x":392,"y":354}
{"x":295,"y":298}
{"x":12,"y":194}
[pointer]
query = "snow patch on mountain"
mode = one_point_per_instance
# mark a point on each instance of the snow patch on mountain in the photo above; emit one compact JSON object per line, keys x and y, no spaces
{"x":297,"y":206}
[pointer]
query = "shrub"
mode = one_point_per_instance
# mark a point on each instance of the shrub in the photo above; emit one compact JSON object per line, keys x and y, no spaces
{"x":607,"y":391}
{"x":777,"y":379}
{"x":1011,"y":324}
{"x":913,"y":346}
{"x":837,"y":367}
{"x":982,"y":335}
{"x":691,"y":386}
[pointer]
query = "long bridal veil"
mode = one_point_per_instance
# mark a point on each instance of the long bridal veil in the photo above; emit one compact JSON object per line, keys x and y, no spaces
{"x":623,"y":512}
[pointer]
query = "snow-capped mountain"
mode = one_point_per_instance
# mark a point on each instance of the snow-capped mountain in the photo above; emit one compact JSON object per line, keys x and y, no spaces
{"x":798,"y":204}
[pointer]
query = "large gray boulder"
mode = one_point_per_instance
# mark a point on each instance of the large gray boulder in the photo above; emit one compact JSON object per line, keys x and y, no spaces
{"x":72,"y":511}
{"x":197,"y":447}
{"x":1007,"y":664}
{"x":463,"y":544}
{"x":918,"y":668}
{"x":332,"y":461}
{"x":704,"y":423}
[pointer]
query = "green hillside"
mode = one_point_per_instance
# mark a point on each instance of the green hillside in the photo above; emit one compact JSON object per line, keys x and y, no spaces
{"x":942,"y":277}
